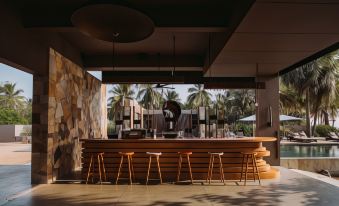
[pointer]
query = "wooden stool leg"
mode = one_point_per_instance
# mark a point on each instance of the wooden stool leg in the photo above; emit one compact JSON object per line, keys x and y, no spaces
{"x":129,"y":169}
{"x":121,"y":160}
{"x":253,"y":167}
{"x":103,"y":166}
{"x":89,"y":168}
{"x":132,"y":167}
{"x":257,"y":169}
{"x":179,"y":168}
{"x":211,"y":173}
{"x":222,"y":177}
{"x":242,"y":167}
{"x":189,"y":167}
{"x":99,"y":167}
{"x":159,"y":170}
{"x":149,"y":167}
{"x":209,"y":169}
{"x":246,"y":169}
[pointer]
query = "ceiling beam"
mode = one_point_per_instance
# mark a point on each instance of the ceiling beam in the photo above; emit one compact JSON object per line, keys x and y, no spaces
{"x":71,"y":28}
{"x":308,"y":59}
{"x":217,"y":41}
{"x":141,"y":60}
{"x":179,"y":77}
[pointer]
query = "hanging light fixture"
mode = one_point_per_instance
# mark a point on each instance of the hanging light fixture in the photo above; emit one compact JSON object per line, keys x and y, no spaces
{"x":101,"y":21}
{"x":174,"y":60}
{"x":256,"y":85}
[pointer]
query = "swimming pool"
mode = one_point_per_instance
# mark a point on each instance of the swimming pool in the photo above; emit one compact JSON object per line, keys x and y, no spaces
{"x":309,"y":150}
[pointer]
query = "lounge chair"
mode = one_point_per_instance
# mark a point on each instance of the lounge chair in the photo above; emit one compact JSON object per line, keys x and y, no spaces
{"x":301,"y":137}
{"x":332,"y":136}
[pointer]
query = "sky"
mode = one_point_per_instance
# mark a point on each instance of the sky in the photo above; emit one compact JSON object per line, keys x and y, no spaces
{"x":22,"y":79}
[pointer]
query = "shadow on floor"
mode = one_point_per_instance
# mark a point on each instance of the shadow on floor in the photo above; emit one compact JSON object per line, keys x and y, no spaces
{"x":296,"y":191}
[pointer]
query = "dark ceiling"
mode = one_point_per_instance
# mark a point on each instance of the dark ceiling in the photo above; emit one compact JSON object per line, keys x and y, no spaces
{"x":227,"y":38}
{"x":192,"y":22}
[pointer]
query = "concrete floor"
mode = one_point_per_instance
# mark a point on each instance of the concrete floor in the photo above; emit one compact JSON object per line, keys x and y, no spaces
{"x":291,"y":189}
{"x":15,"y":153}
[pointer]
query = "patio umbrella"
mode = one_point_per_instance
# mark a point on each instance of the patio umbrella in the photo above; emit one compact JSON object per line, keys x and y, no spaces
{"x":282,"y":118}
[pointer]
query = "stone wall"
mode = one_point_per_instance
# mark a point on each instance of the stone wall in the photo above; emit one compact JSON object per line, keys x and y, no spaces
{"x":75,"y":111}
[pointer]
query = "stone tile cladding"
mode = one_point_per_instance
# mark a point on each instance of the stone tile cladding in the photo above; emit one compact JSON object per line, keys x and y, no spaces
{"x":75,"y":111}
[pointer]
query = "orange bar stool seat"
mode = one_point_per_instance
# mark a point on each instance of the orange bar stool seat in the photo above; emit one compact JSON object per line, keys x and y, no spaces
{"x":129,"y":156}
{"x":187,"y":154}
{"x":157,"y":157}
{"x":250,"y":162}
{"x":211,"y":165}
{"x":99,"y":158}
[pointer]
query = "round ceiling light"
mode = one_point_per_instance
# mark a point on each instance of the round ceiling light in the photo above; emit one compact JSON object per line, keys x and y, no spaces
{"x":113,"y":23}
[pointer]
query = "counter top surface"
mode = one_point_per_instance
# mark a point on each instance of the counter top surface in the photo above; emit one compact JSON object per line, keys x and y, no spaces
{"x":159,"y":139}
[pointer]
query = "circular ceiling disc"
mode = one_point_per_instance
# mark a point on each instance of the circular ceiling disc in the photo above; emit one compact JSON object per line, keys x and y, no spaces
{"x":113,"y":23}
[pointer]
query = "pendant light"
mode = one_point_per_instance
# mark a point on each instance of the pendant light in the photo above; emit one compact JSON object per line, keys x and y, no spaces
{"x":174,"y":60}
{"x":115,"y":36}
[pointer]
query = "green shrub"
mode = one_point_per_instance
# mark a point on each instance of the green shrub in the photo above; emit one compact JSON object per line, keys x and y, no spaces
{"x":324,"y":130}
{"x":11,"y":116}
{"x":247,"y":129}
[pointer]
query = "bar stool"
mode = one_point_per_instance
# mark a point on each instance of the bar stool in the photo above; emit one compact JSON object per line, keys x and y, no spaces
{"x":129,"y":156}
{"x":188,"y":162}
{"x":157,"y":156}
{"x":101,"y":165}
{"x":211,"y":164}
{"x":250,"y":159}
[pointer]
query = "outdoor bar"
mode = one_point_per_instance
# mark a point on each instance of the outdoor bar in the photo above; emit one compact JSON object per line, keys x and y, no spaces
{"x":197,"y":134}
{"x":200,"y":148}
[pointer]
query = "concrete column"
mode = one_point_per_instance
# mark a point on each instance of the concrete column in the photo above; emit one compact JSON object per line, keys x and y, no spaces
{"x":267,"y":122}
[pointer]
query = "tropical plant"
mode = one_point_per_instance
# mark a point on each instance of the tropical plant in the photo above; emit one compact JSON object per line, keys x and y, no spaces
{"x":149,"y":97}
{"x":198,"y":96}
{"x":11,"y":116}
{"x":316,"y":80}
{"x":290,"y":102}
{"x":10,"y":97}
{"x":119,"y":92}
{"x":172,"y":96}
{"x":242,"y":101}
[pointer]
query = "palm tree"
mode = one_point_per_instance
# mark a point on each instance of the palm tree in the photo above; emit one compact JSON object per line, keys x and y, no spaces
{"x":290,"y":102}
{"x":317,"y":81}
{"x":243,"y":101}
{"x":301,"y":79}
{"x":149,"y":96}
{"x":10,"y":96}
{"x":198,"y":96}
{"x":172,"y":96}
{"x":119,"y":92}
{"x":325,"y":89}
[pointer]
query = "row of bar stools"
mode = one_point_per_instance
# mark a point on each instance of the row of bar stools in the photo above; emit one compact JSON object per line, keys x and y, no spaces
{"x":211,"y":164}
{"x":157,"y":156}
{"x":250,"y":162}
{"x":187,"y":154}
{"x":101,"y":166}
{"x":129,"y":156}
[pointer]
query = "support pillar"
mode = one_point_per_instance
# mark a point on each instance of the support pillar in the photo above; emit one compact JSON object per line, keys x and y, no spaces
{"x":267,"y":116}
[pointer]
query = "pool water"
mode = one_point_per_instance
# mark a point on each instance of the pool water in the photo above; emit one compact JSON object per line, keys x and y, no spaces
{"x":309,"y":150}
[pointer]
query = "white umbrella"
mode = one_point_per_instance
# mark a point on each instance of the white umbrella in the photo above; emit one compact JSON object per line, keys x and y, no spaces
{"x":282,"y":118}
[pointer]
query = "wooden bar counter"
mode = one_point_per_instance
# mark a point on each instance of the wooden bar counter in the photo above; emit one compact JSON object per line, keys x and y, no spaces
{"x":232,"y":147}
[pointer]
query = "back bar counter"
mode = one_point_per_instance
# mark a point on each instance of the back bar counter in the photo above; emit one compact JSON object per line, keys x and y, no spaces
{"x":232,"y":158}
